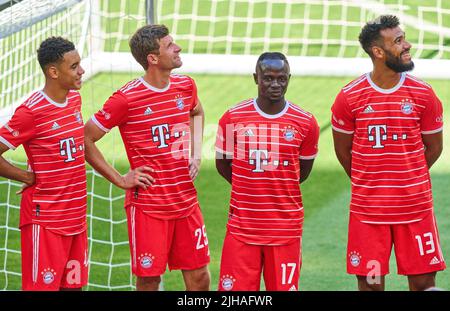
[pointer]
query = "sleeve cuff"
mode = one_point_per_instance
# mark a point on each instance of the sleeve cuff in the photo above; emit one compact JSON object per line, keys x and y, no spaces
{"x":341,"y":130}
{"x":223,"y":152}
{"x":433,"y":131}
{"x":99,"y":125}
{"x":7,"y":143}
{"x":311,"y":157}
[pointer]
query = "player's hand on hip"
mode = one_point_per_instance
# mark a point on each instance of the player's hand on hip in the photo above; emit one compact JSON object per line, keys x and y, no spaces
{"x":31,"y":179}
{"x":194,"y":167}
{"x":138,"y":177}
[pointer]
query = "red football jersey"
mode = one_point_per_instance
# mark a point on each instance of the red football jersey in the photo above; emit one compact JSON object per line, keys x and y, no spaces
{"x":266,"y":203}
{"x":389,"y":174}
{"x":154,"y":124}
{"x":53,"y":138}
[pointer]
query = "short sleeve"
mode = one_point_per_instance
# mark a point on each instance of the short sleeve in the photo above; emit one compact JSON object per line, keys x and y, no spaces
{"x":432,"y":116}
{"x":18,"y":130}
{"x":342,"y":118}
{"x":194,"y":95}
{"x":113,"y":113}
{"x":225,"y":136}
{"x":309,"y":147}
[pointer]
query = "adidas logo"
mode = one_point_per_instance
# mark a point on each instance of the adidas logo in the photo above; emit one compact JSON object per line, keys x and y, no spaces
{"x":55,"y":126}
{"x":434,"y":261}
{"x":249,"y":132}
{"x":369,"y":109}
{"x":293,"y":288}
{"x":148,"y":111}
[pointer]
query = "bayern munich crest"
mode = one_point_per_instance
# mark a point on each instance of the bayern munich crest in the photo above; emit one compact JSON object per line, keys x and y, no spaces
{"x":289,"y":133}
{"x":146,"y":260}
{"x":179,"y":102}
{"x":406,"y":106}
{"x":227,"y":282}
{"x":48,"y":276}
{"x":77,"y":115}
{"x":355,"y":259}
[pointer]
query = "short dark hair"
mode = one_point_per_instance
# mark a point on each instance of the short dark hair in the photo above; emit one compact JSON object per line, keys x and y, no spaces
{"x":145,"y":41}
{"x":370,"y":33}
{"x":52,"y":50}
{"x":271,"y":55}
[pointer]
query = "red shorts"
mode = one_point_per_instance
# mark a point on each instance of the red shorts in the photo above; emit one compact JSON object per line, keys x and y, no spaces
{"x":416,"y":245}
{"x":242,"y":264}
{"x":154,"y":243}
{"x":51,"y":261}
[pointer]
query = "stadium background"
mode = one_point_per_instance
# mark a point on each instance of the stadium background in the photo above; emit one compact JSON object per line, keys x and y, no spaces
{"x":326,"y":193}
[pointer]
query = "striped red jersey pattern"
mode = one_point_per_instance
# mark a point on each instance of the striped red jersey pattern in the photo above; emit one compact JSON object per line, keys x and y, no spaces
{"x":53,"y":138}
{"x":266,"y":203}
{"x":154,"y":124}
{"x":389,"y":174}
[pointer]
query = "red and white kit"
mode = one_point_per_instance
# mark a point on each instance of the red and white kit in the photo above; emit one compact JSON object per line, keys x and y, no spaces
{"x":53,"y":138}
{"x":266,"y":203}
{"x":389,"y":174}
{"x":155,"y":128}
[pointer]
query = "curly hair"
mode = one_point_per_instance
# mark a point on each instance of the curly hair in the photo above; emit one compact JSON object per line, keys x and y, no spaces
{"x":146,"y":41}
{"x":52,"y":50}
{"x":370,"y":33}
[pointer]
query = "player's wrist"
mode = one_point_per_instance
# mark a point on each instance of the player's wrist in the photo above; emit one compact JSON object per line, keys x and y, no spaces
{"x":29,"y":178}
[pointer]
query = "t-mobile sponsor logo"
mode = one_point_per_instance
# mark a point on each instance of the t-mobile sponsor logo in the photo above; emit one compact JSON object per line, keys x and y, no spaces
{"x":162,"y":134}
{"x":260,"y":158}
{"x":67,"y":149}
{"x":379,"y":134}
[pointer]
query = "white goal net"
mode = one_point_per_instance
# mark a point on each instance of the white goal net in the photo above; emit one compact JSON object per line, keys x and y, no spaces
{"x":217,"y":36}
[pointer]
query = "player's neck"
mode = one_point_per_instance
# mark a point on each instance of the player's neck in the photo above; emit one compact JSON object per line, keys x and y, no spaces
{"x":385,"y":78}
{"x":157,"y":79}
{"x":270,"y":107}
{"x":55,"y":93}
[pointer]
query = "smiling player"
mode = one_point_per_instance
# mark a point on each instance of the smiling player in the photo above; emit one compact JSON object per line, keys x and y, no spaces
{"x":387,"y":130}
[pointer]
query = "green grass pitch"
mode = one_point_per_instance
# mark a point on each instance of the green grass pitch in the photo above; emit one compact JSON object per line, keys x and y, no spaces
{"x":326,"y":193}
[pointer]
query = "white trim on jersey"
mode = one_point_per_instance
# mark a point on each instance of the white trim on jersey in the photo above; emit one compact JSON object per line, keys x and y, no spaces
{"x":390,"y":186}
{"x":266,"y":236}
{"x":7,"y":143}
{"x":354,"y":83}
{"x":341,"y":130}
{"x":311,"y":157}
{"x":395,"y":172}
{"x":152,"y":88}
{"x":57,"y":134}
{"x":386,"y":153}
{"x":387,"y":91}
{"x":433,"y":131}
{"x":99,"y":125}
{"x":133,"y":233}
{"x":391,"y":206}
{"x":51,"y":101}
{"x":33,"y":100}
{"x":59,"y":200}
{"x":438,"y":240}
{"x":217,"y":149}
{"x":390,"y":214}
{"x":271,"y":116}
{"x":262,"y":229}
{"x":390,"y":222}
{"x":35,"y":242}
{"x":62,"y":169}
